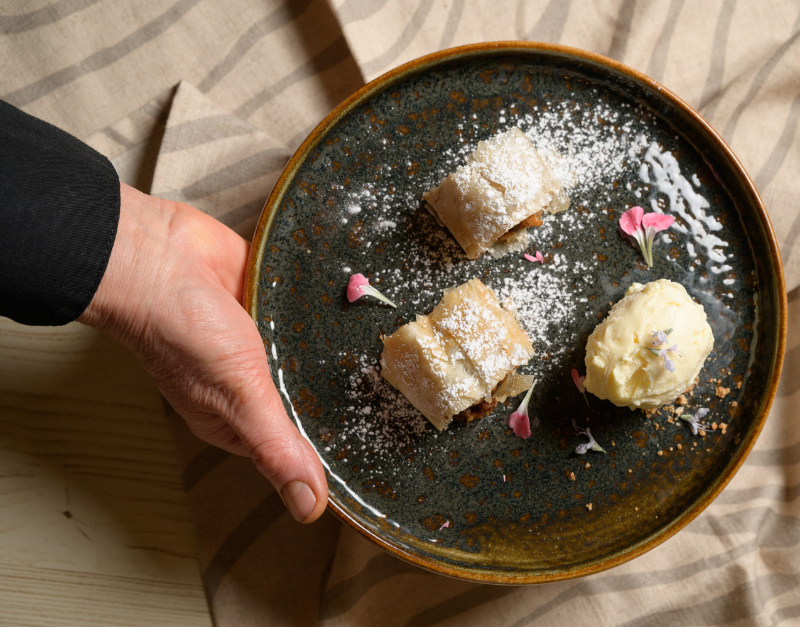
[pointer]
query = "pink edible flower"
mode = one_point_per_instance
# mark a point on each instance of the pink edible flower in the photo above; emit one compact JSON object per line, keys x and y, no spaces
{"x":519,"y":421}
{"x":641,"y":227}
{"x":445,"y":524}
{"x":359,"y":286}
{"x":533,"y":259}
{"x":579,"y":384}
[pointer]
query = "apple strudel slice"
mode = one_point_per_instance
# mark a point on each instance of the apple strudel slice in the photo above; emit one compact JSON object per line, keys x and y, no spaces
{"x":460,"y":359}
{"x":504,"y":187}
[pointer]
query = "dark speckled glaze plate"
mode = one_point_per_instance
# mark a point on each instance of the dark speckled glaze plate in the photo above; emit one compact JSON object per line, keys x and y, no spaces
{"x":475,"y":501}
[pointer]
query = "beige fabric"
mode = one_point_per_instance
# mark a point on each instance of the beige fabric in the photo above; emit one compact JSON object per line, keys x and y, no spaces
{"x":203,"y":101}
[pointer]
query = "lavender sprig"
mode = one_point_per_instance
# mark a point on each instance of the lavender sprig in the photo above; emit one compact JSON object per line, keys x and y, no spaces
{"x":590,"y":445}
{"x":694,"y":421}
{"x":661,"y":338}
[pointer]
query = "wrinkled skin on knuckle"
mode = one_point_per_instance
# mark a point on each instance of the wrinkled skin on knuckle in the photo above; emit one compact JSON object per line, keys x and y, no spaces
{"x":216,"y":431}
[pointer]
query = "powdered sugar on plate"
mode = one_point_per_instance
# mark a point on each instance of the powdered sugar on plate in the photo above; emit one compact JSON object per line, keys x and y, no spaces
{"x":588,"y":148}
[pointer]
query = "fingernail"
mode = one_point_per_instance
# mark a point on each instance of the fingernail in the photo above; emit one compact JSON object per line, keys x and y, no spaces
{"x":299,"y":499}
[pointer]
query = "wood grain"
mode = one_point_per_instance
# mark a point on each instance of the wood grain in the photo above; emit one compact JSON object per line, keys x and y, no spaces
{"x":95,"y":527}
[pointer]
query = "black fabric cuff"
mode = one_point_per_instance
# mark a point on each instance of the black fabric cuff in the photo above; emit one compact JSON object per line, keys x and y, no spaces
{"x":59,"y":211}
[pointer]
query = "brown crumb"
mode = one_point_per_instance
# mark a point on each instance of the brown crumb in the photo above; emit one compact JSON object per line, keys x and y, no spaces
{"x":660,"y":453}
{"x":572,"y":476}
{"x":589,"y":506}
{"x":713,"y":426}
{"x":587,"y":466}
{"x":679,"y":411}
{"x":636,"y":509}
{"x":612,"y":443}
{"x":650,"y":412}
{"x":722,"y":392}
{"x":702,"y":433}
{"x":734,"y":404}
{"x":681,"y":400}
{"x":679,"y":447}
{"x":630,"y":469}
{"x":670,"y":448}
{"x":670,"y":421}
{"x":738,"y":385}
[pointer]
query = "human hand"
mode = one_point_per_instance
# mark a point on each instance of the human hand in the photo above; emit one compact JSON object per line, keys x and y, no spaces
{"x":172,"y":295}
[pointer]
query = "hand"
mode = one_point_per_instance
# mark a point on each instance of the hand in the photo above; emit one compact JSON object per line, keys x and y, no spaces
{"x":172,"y":294}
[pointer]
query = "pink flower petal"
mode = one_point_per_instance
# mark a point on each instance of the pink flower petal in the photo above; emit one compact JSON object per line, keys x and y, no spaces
{"x":520,"y":424}
{"x":359,"y":286}
{"x":657,"y":221}
{"x":444,"y":525}
{"x":533,"y":259}
{"x":355,"y":287}
{"x":578,"y":380}
{"x":631,"y":220}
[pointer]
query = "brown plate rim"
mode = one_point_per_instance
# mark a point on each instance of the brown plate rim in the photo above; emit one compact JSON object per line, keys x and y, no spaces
{"x":250,"y":302}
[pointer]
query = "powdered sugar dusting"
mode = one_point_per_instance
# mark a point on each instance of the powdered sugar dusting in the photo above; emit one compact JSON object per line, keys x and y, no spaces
{"x":379,"y":419}
{"x":588,"y":148}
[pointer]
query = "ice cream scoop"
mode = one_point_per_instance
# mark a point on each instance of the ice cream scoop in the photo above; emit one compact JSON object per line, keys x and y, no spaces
{"x":650,"y":348}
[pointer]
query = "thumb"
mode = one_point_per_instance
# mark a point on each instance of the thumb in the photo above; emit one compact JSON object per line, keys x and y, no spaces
{"x":279,"y":451}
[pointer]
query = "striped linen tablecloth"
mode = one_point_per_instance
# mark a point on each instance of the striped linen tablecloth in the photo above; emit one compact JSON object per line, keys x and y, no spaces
{"x":204,"y":101}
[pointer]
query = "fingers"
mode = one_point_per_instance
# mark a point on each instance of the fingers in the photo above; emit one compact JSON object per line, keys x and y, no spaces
{"x":222,"y":386}
{"x":255,"y":412}
{"x":182,"y":290}
{"x":280,"y":452}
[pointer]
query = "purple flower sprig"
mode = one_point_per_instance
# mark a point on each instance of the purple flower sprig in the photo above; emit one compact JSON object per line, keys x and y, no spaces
{"x":694,"y":421}
{"x":587,"y":446}
{"x":661,"y":338}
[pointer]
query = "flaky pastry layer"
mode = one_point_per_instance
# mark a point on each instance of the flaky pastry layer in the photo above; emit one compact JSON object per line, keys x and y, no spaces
{"x":453,"y":358}
{"x":503,"y":183}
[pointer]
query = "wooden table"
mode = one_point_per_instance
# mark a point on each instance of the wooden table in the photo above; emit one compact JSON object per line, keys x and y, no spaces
{"x":95,"y":527}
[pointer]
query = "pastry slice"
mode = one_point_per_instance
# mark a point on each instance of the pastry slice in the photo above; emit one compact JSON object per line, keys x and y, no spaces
{"x":504,"y":187}
{"x":452,"y":362}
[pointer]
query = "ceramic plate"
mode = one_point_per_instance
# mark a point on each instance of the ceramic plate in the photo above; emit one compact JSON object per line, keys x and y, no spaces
{"x":476,"y":501}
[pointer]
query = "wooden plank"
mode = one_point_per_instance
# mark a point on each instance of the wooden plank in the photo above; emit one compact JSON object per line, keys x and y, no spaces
{"x":94,"y":523}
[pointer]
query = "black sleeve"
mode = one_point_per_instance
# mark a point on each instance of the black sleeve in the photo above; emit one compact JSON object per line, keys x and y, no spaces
{"x":59,"y":210}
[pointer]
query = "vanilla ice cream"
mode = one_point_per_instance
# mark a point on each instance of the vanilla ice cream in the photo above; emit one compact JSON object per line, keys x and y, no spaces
{"x":650,"y":348}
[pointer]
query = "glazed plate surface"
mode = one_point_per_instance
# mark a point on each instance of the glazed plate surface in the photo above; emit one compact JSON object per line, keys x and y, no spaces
{"x":476,"y":501}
